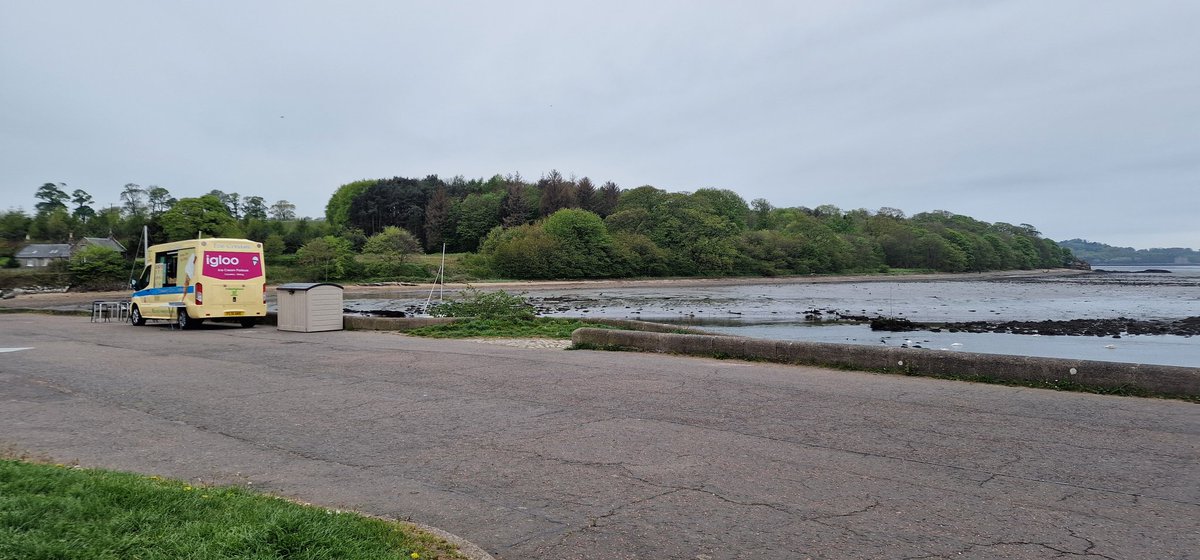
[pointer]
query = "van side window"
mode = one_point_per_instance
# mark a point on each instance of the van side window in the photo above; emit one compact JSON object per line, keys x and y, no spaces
{"x":170,"y":262}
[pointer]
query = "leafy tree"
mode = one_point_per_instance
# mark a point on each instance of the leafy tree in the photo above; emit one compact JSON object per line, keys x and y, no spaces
{"x":158,"y":200}
{"x":192,"y":216}
{"x":584,"y":248}
{"x":827,"y":211}
{"x":14,"y":225}
{"x":107,"y":221}
{"x":697,"y":240}
{"x":474,"y":217}
{"x":645,"y":197}
{"x":97,"y":267}
{"x":823,"y":250}
{"x":386,"y":253}
{"x":496,"y":183}
{"x":274,"y":245}
{"x":637,"y":255}
{"x":232,"y":202}
{"x":302,"y":232}
{"x":254,"y":208}
{"x":772,"y":253}
{"x":355,"y":236}
{"x":132,"y":200}
{"x":53,"y":225}
{"x":256,"y":229}
{"x":283,"y":210}
{"x":726,"y":204}
{"x":319,"y":259}
{"x":632,"y":220}
{"x":760,"y":215}
{"x":83,"y":205}
{"x":525,"y":251}
{"x":52,"y":198}
{"x":392,"y":243}
{"x":327,"y":258}
{"x":939,"y":254}
{"x":337,"y":210}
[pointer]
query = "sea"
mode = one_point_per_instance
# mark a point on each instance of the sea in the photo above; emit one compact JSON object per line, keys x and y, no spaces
{"x":810,"y":310}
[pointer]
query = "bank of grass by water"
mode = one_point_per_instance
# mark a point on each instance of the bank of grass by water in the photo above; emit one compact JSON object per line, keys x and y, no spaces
{"x":64,"y":513}
{"x":541,"y":327}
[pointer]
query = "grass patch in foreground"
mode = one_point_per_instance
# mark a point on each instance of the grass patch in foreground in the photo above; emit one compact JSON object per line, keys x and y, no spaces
{"x":62,"y":513}
{"x":541,"y":327}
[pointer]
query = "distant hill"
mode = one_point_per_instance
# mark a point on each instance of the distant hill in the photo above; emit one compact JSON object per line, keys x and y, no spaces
{"x":1099,"y":253}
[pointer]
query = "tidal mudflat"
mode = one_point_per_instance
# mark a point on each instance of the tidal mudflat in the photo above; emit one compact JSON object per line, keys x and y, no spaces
{"x":821,"y":310}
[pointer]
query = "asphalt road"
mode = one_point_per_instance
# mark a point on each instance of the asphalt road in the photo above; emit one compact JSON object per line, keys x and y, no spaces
{"x":542,"y":453}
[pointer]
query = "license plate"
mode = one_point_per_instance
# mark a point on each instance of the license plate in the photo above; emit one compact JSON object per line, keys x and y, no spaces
{"x":235,"y":312}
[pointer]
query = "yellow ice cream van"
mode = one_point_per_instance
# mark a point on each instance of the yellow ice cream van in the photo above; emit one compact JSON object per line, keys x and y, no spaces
{"x":192,"y":281}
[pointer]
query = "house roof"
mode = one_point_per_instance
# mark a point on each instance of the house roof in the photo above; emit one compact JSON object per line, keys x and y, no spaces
{"x":103,"y":242}
{"x":44,"y":251}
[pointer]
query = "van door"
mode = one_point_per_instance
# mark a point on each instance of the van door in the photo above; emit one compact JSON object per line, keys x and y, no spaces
{"x":162,"y":286}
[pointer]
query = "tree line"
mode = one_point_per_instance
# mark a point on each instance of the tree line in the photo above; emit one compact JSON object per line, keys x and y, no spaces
{"x":1101,"y":254}
{"x":559,"y":227}
{"x":61,"y":215}
{"x":552,"y":227}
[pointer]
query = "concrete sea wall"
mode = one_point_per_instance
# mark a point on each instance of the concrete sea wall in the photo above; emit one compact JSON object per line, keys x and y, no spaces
{"x":1162,"y":380}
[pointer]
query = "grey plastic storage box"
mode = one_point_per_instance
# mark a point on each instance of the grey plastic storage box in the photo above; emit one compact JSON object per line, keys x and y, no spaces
{"x":310,"y":307}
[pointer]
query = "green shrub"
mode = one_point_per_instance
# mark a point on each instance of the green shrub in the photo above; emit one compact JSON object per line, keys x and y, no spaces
{"x":97,"y":267}
{"x":485,"y":305}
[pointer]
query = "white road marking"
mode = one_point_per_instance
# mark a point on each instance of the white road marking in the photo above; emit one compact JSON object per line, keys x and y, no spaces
{"x":2,"y":350}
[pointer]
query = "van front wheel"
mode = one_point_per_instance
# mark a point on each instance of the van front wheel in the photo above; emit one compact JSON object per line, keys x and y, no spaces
{"x":135,"y":317}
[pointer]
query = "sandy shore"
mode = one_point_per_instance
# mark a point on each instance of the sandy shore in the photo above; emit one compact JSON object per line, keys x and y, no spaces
{"x":83,"y":300}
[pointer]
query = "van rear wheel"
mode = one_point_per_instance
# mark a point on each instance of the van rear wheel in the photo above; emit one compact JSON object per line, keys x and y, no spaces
{"x":248,"y":322}
{"x":184,"y":321}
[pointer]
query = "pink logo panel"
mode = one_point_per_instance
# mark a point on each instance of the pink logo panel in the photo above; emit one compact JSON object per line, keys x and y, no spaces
{"x":230,"y":265}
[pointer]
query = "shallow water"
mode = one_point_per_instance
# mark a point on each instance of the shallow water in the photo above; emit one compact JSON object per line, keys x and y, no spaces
{"x":1161,"y":350}
{"x":1093,"y":296}
{"x":803,"y":311}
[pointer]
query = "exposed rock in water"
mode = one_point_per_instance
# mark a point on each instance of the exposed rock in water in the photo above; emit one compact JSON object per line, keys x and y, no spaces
{"x":1082,"y":327}
{"x":378,"y":313}
{"x":894,"y":324}
{"x":1146,"y":271}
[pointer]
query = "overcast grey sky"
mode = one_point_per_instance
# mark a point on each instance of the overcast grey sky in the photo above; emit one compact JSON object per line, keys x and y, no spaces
{"x":1079,"y":117}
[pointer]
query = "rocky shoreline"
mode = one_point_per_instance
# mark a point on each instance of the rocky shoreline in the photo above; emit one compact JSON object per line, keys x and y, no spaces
{"x":1114,"y":328}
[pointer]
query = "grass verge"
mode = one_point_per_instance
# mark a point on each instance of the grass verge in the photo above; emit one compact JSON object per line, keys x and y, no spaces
{"x":64,"y":513}
{"x":541,"y":327}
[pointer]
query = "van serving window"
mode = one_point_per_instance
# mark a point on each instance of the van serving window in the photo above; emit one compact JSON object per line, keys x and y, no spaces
{"x":170,"y":262}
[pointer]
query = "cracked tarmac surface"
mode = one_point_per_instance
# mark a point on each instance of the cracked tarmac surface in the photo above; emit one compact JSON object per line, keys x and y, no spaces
{"x":545,"y":453}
